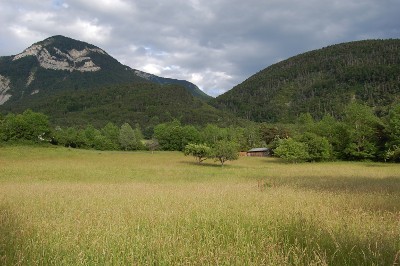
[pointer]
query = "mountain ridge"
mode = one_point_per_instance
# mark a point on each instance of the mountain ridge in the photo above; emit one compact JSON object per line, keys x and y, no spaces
{"x":76,"y":83}
{"x":60,"y":62}
{"x":320,"y":82}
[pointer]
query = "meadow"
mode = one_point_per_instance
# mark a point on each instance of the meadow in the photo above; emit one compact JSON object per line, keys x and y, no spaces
{"x":62,"y":206}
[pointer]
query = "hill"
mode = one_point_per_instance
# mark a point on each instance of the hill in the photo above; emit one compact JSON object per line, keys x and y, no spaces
{"x":60,"y":63}
{"x":320,"y":82}
{"x":77,"y":83}
{"x":147,"y":104}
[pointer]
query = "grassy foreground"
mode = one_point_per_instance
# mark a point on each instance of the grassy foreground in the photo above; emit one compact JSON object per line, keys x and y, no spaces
{"x":74,"y":207}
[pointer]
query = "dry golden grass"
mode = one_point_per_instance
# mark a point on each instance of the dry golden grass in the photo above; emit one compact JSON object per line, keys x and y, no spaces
{"x":71,"y":207}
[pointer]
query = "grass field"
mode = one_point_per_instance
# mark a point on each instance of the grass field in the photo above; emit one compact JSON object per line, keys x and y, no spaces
{"x":72,"y":207}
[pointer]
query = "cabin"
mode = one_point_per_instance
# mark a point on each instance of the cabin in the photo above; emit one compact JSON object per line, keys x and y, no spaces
{"x":258,"y":152}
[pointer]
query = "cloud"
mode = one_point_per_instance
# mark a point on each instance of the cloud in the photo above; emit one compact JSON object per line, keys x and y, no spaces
{"x":216,"y":44}
{"x":101,"y":7}
{"x":33,"y":26}
{"x":89,"y":30}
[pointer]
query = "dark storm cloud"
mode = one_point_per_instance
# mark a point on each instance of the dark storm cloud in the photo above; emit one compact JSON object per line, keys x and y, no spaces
{"x":215,"y":44}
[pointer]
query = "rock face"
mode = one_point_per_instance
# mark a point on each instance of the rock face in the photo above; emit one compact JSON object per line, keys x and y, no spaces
{"x":4,"y":87}
{"x":143,"y":74}
{"x":73,"y":60}
{"x":30,"y":78}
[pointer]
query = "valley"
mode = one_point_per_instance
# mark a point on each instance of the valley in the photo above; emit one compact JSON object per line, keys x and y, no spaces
{"x":75,"y":207}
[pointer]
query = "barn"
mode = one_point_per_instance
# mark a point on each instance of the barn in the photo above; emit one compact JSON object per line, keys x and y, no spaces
{"x":258,"y":152}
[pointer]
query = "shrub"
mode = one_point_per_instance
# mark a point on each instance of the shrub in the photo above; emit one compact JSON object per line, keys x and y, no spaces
{"x":28,"y":126}
{"x":292,"y":151}
{"x":318,"y":148}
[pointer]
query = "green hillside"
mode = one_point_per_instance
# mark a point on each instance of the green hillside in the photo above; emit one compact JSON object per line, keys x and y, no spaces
{"x":147,"y":104}
{"x":320,"y":82}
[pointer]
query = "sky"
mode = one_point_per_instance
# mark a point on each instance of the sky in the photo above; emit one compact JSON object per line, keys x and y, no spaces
{"x":216,"y":44}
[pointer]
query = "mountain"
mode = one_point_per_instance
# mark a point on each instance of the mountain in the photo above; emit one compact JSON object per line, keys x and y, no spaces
{"x":61,"y":63}
{"x":77,"y":83}
{"x":193,"y":89}
{"x":320,"y":82}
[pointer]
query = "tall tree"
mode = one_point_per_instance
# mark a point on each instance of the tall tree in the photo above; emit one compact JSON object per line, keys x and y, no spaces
{"x":392,"y":152}
{"x":269,"y":132}
{"x":127,"y":138}
{"x":169,"y":135}
{"x":111,"y":132}
{"x":173,"y":136}
{"x":363,"y":132}
{"x":305,"y":122}
{"x":139,"y":138}
{"x":210,"y":134}
{"x":394,"y":125}
{"x":335,"y":132}
{"x":90,"y":133}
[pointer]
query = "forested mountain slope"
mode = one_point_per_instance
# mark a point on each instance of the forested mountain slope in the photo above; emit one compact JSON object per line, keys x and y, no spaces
{"x":59,"y":64}
{"x":320,"y":82}
{"x":146,"y":104}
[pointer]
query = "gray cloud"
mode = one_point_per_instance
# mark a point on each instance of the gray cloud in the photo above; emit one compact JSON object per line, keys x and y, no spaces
{"x":216,"y":45}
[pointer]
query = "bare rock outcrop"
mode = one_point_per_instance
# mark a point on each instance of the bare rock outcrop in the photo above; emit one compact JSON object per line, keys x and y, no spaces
{"x":4,"y":87}
{"x":73,"y":60}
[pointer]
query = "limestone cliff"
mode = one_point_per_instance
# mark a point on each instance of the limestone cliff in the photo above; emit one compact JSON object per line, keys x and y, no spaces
{"x":72,"y":60}
{"x":4,"y":87}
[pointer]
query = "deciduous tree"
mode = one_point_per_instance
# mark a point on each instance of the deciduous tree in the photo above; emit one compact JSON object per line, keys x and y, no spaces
{"x":225,"y":151}
{"x":318,"y":148}
{"x":29,"y":125}
{"x":292,"y":150}
{"x":362,"y":130}
{"x":200,"y":151}
{"x":127,"y":138}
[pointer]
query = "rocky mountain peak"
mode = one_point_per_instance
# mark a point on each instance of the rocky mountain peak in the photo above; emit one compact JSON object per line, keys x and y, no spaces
{"x":63,"y":64}
{"x":52,"y":57}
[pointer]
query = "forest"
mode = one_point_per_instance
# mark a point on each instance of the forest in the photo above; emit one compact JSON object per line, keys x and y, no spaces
{"x":146,"y":104}
{"x":320,"y":82}
{"x":358,"y":136}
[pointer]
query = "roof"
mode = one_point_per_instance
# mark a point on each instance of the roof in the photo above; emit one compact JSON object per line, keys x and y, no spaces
{"x":259,"y":150}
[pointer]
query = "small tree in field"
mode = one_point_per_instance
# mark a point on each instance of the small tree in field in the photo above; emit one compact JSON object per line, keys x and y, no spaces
{"x":200,"y":151}
{"x":225,"y":151}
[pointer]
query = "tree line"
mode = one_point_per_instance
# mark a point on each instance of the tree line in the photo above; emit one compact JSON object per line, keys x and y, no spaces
{"x":358,"y":135}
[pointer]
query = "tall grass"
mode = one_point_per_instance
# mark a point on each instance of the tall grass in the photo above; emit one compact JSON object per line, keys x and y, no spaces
{"x":72,"y":207}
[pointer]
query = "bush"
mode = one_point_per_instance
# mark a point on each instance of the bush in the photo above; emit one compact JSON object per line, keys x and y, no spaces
{"x":173,"y":136}
{"x":28,"y":126}
{"x":292,"y":151}
{"x":392,"y":154}
{"x":318,"y":148}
